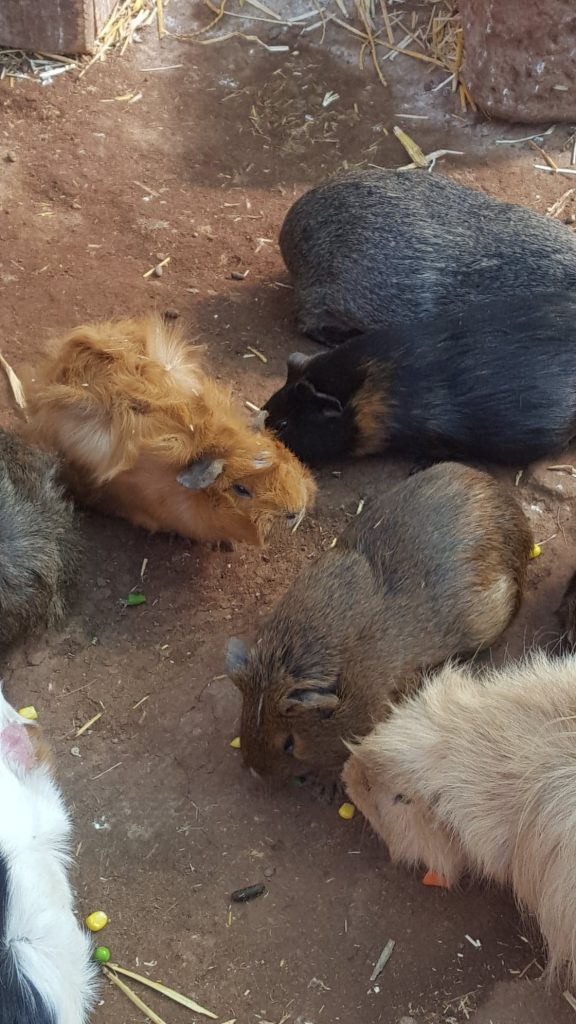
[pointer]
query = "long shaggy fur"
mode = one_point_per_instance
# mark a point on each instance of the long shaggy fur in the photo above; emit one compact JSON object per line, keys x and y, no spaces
{"x":39,"y":546}
{"x":480,"y":773}
{"x":46,"y":973}
{"x":129,"y":406}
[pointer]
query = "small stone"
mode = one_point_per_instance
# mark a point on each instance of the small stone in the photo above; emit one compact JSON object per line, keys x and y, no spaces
{"x":158,"y":271}
{"x":239,"y":275}
{"x":571,"y":218}
{"x":268,"y":872}
{"x":10,"y":157}
{"x":160,"y":256}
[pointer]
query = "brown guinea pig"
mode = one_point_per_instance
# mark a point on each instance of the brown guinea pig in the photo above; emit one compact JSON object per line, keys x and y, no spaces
{"x":478,"y":772}
{"x":434,"y":568}
{"x":146,"y":434}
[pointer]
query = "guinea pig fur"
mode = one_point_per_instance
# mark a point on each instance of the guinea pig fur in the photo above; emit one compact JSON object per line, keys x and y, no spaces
{"x":496,"y":382}
{"x":39,"y":545}
{"x":479,"y":773}
{"x":434,"y":568}
{"x":46,"y":973}
{"x":146,"y":434}
{"x":383,"y":248}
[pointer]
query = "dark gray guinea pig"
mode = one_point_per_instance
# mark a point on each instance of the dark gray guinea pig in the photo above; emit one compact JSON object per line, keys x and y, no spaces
{"x":39,"y":546}
{"x":433,"y":569}
{"x":389,"y":247}
{"x":496,"y":383}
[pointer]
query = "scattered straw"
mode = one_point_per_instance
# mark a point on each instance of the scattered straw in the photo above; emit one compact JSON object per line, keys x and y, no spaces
{"x":555,"y":170}
{"x":15,"y":383}
{"x":259,"y":355}
{"x":88,"y":725}
{"x":134,"y":999}
{"x":44,"y":67}
{"x":434,"y":35}
{"x":558,"y":207}
{"x":170,"y":993}
{"x":125,"y":21}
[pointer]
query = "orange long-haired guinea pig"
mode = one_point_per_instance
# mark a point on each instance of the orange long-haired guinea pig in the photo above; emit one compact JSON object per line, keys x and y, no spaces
{"x":145,"y":433}
{"x":478,"y":772}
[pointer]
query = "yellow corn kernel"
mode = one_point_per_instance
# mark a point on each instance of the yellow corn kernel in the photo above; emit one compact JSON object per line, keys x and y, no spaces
{"x":347,"y":811}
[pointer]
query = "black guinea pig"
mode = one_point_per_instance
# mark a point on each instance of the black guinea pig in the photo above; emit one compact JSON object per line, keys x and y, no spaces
{"x":496,"y":383}
{"x":381,"y":247}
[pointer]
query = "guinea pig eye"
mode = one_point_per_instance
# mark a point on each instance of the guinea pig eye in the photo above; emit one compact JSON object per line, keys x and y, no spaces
{"x":289,"y":745}
{"x":241,"y":491}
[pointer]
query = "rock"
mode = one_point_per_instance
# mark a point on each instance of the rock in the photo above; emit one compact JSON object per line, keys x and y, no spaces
{"x":519,"y":58}
{"x":10,"y":157}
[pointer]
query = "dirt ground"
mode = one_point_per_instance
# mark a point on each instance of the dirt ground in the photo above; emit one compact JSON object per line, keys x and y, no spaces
{"x":202,"y":168}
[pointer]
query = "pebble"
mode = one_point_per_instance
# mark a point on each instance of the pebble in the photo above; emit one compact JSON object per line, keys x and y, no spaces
{"x":268,"y":872}
{"x":10,"y":157}
{"x":158,"y":271}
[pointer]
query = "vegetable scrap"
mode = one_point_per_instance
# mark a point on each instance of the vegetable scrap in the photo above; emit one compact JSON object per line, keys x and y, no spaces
{"x":30,"y":713}
{"x":250,"y":892}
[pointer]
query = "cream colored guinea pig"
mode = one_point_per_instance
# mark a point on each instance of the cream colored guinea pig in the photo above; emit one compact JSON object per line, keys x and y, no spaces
{"x":479,"y":773}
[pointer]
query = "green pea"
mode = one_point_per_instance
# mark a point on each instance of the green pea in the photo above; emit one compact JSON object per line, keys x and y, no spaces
{"x":101,"y":954}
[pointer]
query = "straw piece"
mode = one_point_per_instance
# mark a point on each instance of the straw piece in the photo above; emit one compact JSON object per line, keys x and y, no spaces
{"x":551,"y":163}
{"x":92,"y":721}
{"x":411,"y":147}
{"x":15,"y":383}
{"x":133,"y":997}
{"x":170,"y":993}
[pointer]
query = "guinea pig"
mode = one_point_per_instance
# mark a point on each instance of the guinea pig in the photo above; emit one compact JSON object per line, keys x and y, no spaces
{"x":145,"y":433}
{"x":433,"y":569}
{"x":567,"y":613}
{"x":495,"y":383}
{"x":46,"y":972}
{"x":478,"y":773}
{"x":382,"y":247}
{"x":39,"y":544}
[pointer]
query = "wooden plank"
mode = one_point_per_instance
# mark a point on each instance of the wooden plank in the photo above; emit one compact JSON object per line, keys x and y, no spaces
{"x":52,"y":26}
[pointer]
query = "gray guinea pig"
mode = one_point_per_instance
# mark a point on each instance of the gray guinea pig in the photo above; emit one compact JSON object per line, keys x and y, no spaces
{"x":383,"y":247}
{"x":39,"y":546}
{"x":432,"y":569}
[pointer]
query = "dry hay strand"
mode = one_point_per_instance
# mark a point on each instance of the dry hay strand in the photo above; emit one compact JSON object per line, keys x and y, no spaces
{"x":127,"y":18}
{"x":44,"y":67}
{"x":432,"y":34}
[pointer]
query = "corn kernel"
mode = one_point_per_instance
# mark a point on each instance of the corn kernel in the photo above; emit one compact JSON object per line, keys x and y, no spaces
{"x":235,"y":743}
{"x":535,"y":551}
{"x":347,"y":811}
{"x":30,"y":713}
{"x":97,"y":921}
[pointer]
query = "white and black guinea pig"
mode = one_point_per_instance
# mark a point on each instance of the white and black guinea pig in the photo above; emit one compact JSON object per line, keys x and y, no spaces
{"x":46,"y":972}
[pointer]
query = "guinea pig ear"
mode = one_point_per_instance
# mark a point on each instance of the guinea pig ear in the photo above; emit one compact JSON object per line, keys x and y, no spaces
{"x":329,"y":406}
{"x":200,"y":474}
{"x":296,"y":362}
{"x":311,"y":697}
{"x":237,"y":655}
